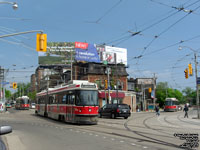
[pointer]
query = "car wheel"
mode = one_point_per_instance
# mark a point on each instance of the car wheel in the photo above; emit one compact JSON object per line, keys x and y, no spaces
{"x":113,"y":116}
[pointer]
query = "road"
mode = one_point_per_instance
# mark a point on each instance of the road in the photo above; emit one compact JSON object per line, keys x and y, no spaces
{"x":143,"y":130}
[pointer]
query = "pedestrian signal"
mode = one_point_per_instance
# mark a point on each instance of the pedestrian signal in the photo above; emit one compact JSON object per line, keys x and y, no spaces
{"x":190,"y":69}
{"x":41,"y":42}
{"x":14,"y":85}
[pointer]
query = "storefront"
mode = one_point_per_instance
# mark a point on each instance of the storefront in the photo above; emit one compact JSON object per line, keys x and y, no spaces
{"x":115,"y":97}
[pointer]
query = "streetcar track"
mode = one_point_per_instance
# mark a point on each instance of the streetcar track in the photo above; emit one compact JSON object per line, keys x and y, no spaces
{"x":150,"y":139}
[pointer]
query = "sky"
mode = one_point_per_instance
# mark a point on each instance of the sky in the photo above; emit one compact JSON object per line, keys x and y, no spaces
{"x":150,"y":30}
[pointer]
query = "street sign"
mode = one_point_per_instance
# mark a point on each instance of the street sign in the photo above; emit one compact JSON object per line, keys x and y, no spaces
{"x":4,"y":83}
{"x":105,"y":62}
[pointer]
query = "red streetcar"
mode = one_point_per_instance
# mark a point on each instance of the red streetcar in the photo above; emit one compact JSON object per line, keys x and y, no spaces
{"x":171,"y":104}
{"x":76,"y":102}
{"x":22,"y":102}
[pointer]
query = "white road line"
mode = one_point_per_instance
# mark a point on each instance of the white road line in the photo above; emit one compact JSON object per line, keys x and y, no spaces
{"x":133,"y":144}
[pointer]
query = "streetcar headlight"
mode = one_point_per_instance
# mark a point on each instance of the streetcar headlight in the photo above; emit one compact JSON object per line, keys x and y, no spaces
{"x":79,"y":110}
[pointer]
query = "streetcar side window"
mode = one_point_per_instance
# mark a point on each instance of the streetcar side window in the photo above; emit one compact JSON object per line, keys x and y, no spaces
{"x":71,"y":99}
{"x":64,"y":98}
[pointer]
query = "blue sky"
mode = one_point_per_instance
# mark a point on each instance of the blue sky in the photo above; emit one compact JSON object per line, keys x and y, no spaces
{"x":161,"y":24}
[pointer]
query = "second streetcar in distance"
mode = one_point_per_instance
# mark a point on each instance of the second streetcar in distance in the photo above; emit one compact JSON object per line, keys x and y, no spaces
{"x":171,"y":104}
{"x":76,"y":102}
{"x":22,"y":103}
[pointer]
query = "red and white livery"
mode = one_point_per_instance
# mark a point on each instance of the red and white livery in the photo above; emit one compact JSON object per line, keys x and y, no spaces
{"x":75,"y":102}
{"x":22,"y":102}
{"x":171,"y":104}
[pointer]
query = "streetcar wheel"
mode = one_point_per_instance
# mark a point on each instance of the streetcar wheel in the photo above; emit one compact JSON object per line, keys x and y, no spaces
{"x":125,"y":117}
{"x":113,"y":116}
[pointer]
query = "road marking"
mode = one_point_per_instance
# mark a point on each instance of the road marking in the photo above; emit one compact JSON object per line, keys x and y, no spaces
{"x":112,"y":139}
{"x":122,"y":141}
{"x":104,"y":137}
{"x":133,"y":144}
{"x":96,"y":135}
{"x":145,"y":147}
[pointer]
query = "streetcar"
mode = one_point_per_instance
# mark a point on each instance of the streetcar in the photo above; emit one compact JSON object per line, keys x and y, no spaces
{"x":74,"y":102}
{"x":22,"y":103}
{"x":171,"y":104}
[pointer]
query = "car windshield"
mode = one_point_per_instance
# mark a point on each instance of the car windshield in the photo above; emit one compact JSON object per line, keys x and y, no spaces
{"x":87,"y":98}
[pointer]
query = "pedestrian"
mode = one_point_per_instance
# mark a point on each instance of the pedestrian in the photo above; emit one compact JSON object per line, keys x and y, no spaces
{"x":186,"y":110}
{"x":157,"y":110}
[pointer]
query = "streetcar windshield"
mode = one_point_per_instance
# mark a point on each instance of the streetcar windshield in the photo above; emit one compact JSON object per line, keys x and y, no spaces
{"x":87,"y":98}
{"x":170,"y":103}
{"x":24,"y":101}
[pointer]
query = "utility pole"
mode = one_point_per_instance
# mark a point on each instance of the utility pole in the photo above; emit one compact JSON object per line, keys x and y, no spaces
{"x":154,"y":89}
{"x":197,"y":88}
{"x":108,"y":74}
{"x":71,"y":67}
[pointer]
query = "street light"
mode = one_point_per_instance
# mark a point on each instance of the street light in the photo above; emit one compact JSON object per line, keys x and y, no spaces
{"x":14,"y":4}
{"x":196,"y":76}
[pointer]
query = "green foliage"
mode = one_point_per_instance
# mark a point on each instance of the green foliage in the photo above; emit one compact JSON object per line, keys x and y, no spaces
{"x":189,"y":95}
{"x":163,"y":91}
{"x":32,"y":96}
{"x":8,"y":94}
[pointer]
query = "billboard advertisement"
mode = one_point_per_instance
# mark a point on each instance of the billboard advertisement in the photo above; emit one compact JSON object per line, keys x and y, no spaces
{"x":113,"y":55}
{"x":57,"y":53}
{"x":61,"y":52}
{"x":87,"y":52}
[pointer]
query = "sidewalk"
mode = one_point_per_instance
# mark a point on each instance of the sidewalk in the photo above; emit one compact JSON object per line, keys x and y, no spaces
{"x":12,"y":142}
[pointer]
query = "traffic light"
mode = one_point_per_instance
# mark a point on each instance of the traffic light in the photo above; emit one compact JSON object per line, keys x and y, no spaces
{"x":150,"y":90}
{"x":190,"y":69}
{"x":106,"y":84}
{"x":186,"y":73}
{"x":14,"y":85}
{"x":41,"y":42}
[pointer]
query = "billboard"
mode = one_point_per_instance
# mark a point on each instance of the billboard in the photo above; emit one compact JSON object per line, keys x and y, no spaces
{"x":57,"y":53}
{"x":113,"y":55}
{"x":60,"y":53}
{"x":87,"y":52}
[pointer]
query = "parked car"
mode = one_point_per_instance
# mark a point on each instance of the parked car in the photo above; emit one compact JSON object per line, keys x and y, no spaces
{"x":8,"y":105}
{"x":115,"y":110}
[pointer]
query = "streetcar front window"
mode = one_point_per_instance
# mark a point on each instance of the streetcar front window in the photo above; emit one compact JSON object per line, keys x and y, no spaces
{"x":25,"y":101}
{"x":87,"y":98}
{"x":168,"y":103}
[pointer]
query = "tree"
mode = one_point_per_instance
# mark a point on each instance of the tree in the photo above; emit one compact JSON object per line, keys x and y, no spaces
{"x":8,"y":94}
{"x":163,"y":91}
{"x":189,"y":95}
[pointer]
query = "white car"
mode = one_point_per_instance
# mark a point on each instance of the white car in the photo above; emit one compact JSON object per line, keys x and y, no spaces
{"x":33,"y":105}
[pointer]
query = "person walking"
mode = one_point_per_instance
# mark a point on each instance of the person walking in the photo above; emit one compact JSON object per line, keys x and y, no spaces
{"x":186,"y":110}
{"x":157,"y":110}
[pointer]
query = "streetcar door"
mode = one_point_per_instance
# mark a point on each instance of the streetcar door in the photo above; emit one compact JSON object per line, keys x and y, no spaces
{"x":70,"y":109}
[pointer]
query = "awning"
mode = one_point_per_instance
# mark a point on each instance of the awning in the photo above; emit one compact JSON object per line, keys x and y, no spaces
{"x":113,"y":94}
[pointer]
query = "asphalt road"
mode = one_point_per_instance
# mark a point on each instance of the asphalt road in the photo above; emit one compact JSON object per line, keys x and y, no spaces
{"x":140,"y":131}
